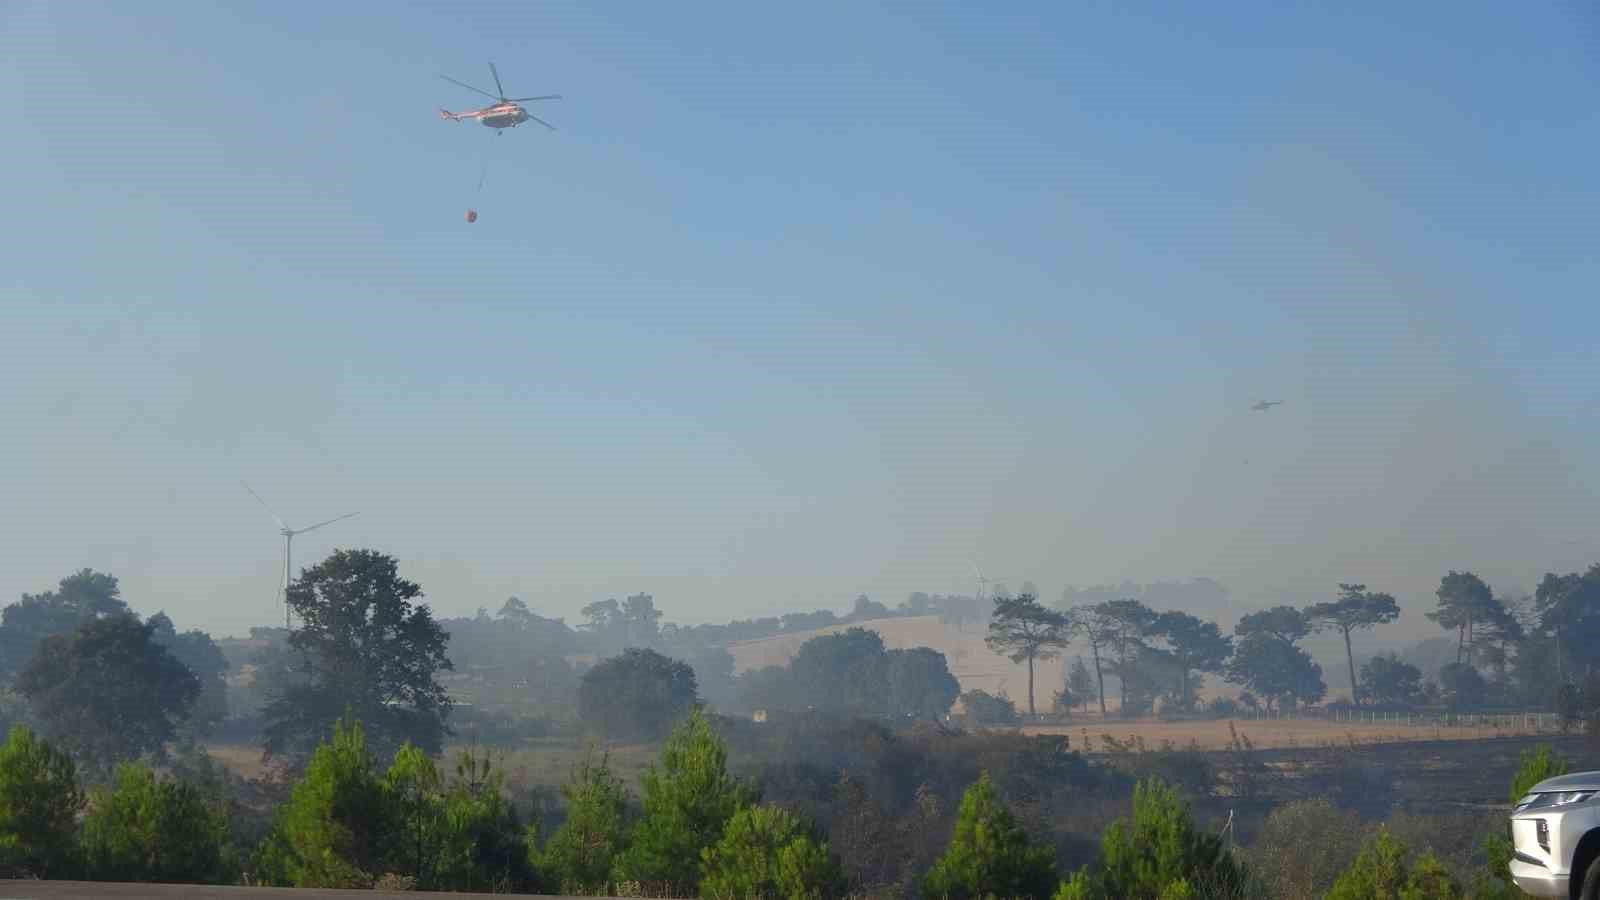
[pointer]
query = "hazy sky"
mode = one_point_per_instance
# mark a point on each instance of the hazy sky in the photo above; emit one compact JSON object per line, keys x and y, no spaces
{"x":801,"y":301}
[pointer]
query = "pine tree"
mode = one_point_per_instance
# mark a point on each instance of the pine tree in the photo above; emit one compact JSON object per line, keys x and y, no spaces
{"x":149,"y":829}
{"x":579,"y":856}
{"x":767,"y":851}
{"x":990,"y":855}
{"x":1382,"y":872}
{"x":39,"y":803}
{"x":1080,"y":682}
{"x":688,"y":800}
{"x":1159,"y":854}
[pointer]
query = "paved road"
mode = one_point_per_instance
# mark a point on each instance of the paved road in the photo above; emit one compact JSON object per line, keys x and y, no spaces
{"x":86,"y":890}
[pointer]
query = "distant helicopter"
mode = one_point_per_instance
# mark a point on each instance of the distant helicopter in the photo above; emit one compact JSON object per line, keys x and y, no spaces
{"x":1265,"y":405}
{"x":505,"y":113}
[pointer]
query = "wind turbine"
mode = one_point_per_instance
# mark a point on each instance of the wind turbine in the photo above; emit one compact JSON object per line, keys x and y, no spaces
{"x":288,"y":542}
{"x":985,"y":582}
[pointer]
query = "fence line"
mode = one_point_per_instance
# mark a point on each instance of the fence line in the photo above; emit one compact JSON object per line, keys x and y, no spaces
{"x":1539,"y":722}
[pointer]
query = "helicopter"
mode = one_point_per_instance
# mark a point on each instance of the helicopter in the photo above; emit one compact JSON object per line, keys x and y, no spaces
{"x":505,"y":113}
{"x":1265,"y":405}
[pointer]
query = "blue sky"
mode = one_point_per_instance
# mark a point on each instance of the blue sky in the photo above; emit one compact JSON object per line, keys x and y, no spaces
{"x":799,"y":303}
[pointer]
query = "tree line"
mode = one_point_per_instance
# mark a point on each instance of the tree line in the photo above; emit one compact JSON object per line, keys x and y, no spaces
{"x":1530,"y":651}
{"x":695,"y":829}
{"x":104,"y":686}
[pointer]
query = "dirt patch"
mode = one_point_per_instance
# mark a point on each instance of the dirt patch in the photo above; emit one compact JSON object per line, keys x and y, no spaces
{"x":243,"y":760}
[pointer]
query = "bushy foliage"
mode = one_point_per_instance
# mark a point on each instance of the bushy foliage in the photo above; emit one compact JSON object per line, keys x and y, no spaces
{"x":346,"y":824}
{"x":1495,"y":880}
{"x":1275,"y":670}
{"x":335,"y":828}
{"x":367,"y":645}
{"x":201,"y":656}
{"x":990,"y":855}
{"x":413,"y":786}
{"x":108,"y":691}
{"x":920,"y":685}
{"x":639,"y":694}
{"x":148,"y":829}
{"x":881,"y":852}
{"x":460,"y":837}
{"x":578,"y":858}
{"x":1388,"y":680}
{"x":850,"y":673}
{"x":39,"y":803}
{"x":1279,"y":857}
{"x":1463,"y":686}
{"x":1536,"y":766}
{"x":767,"y":851}
{"x":844,"y":672}
{"x":483,"y":846}
{"x":981,"y":708}
{"x":688,"y":800}
{"x":1382,"y":871}
{"x":1160,"y":854}
{"x":81,"y":597}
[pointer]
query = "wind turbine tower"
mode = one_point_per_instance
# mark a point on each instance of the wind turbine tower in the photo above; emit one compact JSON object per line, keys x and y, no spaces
{"x":288,"y":543}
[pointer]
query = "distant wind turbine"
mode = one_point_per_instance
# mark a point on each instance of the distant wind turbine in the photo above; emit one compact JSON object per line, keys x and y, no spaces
{"x":288,"y":542}
{"x":985,"y":582}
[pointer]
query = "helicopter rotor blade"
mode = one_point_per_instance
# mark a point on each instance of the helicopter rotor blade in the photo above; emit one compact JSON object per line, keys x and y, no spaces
{"x":531,"y":99}
{"x":469,"y":87}
{"x":497,"y":86}
{"x":539,"y":120}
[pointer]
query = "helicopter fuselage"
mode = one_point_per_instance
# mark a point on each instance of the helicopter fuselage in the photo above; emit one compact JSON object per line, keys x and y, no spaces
{"x":501,"y":115}
{"x":505,"y":115}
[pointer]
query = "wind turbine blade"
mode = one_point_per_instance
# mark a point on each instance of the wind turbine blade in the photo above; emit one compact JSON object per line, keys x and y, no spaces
{"x":329,"y":522}
{"x":264,"y":506}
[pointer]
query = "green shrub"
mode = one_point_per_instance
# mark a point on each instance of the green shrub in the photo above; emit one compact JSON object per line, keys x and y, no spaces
{"x":1279,"y":858}
{"x":766,"y":851}
{"x":39,"y":803}
{"x":1382,"y":872}
{"x":688,"y":800}
{"x":981,"y":708}
{"x":579,"y":856}
{"x":414,"y":793}
{"x":1495,"y":879}
{"x":990,"y":855}
{"x":149,"y":829}
{"x":484,"y":846}
{"x":1159,"y":855}
{"x":338,"y":822}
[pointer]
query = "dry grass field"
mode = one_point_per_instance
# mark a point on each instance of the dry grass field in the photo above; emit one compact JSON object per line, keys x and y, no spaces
{"x":1265,"y":734}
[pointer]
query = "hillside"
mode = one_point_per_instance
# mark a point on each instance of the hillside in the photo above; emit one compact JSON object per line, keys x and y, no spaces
{"x":973,"y":664}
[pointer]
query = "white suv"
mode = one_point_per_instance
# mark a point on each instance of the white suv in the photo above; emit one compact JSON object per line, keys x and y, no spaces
{"x":1555,"y":833}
